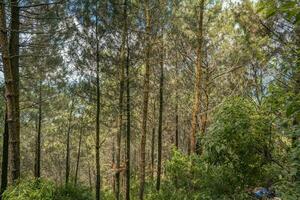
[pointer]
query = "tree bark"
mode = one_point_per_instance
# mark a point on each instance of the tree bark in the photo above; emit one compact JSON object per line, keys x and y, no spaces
{"x":97,"y":145}
{"x":176,"y":109}
{"x":128,"y":114}
{"x":4,"y":166}
{"x":128,"y":139}
{"x":68,"y":143}
{"x":113,"y":166}
{"x":153,"y":142}
{"x":11,"y":87}
{"x":14,"y":57}
{"x":204,"y":116}
{"x":121,"y":101}
{"x":90,"y":176}
{"x":198,"y":71}
{"x":160,"y":120}
{"x":145,"y":100}
{"x":14,"y":53}
{"x":37,"y":164}
{"x":78,"y":154}
{"x":176,"y":126}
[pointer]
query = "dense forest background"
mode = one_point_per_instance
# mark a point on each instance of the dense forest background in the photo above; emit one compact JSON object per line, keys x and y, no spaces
{"x":150,"y":99}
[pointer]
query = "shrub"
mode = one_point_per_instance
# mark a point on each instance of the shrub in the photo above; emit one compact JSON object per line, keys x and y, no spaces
{"x":30,"y":189}
{"x":71,"y":192}
{"x":237,"y":157}
{"x":33,"y":189}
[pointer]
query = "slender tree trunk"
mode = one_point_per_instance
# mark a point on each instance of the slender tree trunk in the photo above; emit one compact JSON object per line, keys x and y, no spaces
{"x":176,"y":110}
{"x":119,"y":135}
{"x":97,"y":145}
{"x":37,"y":164}
{"x":176,"y":126}
{"x":78,"y":155}
{"x":145,"y":101}
{"x":113,"y":166}
{"x":176,"y":116}
{"x":204,"y":117}
{"x":121,"y":101}
{"x":4,"y":157}
{"x":160,"y":118}
{"x":128,"y":116}
{"x":128,"y":139}
{"x":90,"y":176}
{"x":153,"y":143}
{"x":198,"y":70}
{"x":204,"y":112}
{"x":68,"y":143}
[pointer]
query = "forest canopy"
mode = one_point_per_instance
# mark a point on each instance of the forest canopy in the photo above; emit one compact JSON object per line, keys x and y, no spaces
{"x":150,"y":99}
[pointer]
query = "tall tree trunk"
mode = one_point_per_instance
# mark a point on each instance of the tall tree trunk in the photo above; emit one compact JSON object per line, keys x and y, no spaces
{"x":176,"y":113}
{"x":4,"y":166}
{"x":121,"y":101}
{"x":153,"y":141}
{"x":113,"y":166}
{"x":119,"y":135}
{"x":128,"y":135}
{"x":145,"y":100}
{"x":14,"y":144}
{"x":90,"y":176}
{"x":78,"y":154}
{"x":128,"y":116}
{"x":204,"y":117}
{"x":68,"y":143}
{"x":14,"y":57}
{"x":176,"y":126}
{"x":37,"y":164}
{"x":160,"y":119}
{"x":198,"y":71}
{"x":11,"y":93}
{"x":97,"y":145}
{"x":176,"y":109}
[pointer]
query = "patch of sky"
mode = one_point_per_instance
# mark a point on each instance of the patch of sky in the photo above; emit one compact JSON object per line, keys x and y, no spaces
{"x":1,"y":77}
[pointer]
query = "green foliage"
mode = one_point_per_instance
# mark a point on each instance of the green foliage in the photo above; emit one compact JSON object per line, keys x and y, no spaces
{"x":31,"y":189}
{"x":241,"y":152}
{"x":288,"y":8}
{"x":71,"y":192}
{"x":107,"y":194}
{"x":237,"y":157}
{"x":189,"y":177}
{"x":285,"y":104}
{"x":240,"y":141}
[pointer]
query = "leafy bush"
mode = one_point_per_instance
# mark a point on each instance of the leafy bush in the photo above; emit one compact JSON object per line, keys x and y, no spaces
{"x":32,"y":189}
{"x":71,"y":192}
{"x":107,"y":194}
{"x":240,"y":142}
{"x":287,"y":106}
{"x":237,"y":157}
{"x":251,"y":146}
